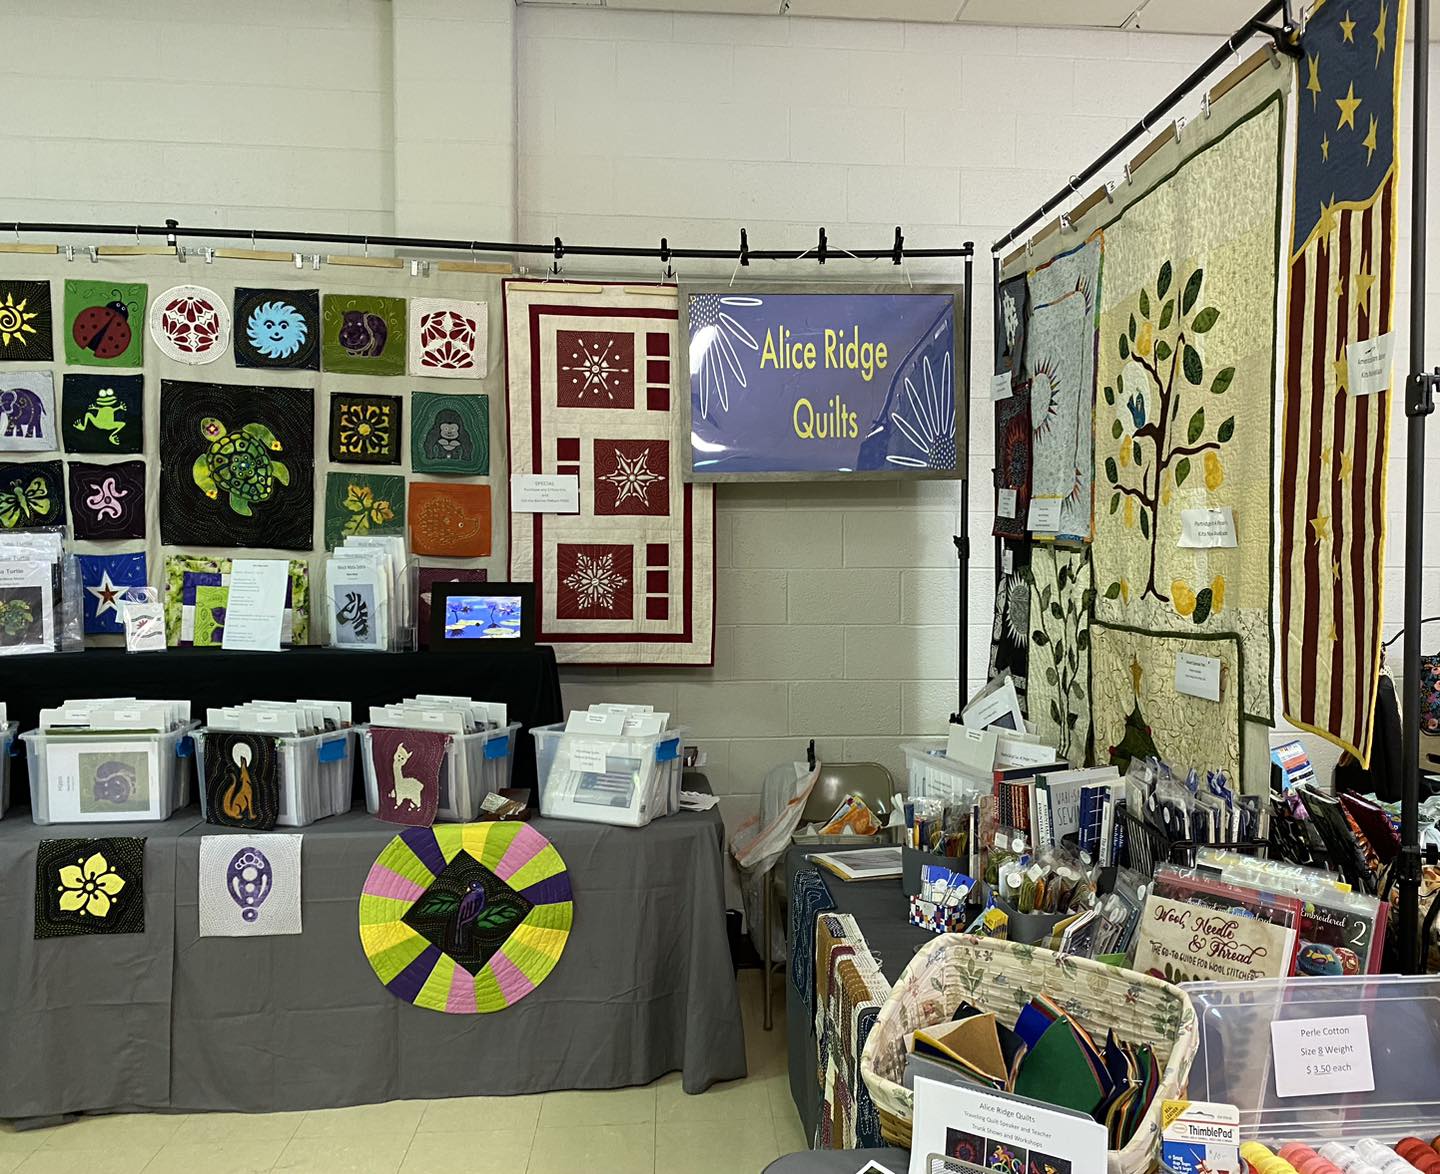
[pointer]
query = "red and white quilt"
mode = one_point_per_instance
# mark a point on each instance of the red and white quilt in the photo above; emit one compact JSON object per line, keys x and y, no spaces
{"x":590,"y":392}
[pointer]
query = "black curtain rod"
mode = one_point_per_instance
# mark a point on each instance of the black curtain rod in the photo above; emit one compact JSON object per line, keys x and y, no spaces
{"x":821,"y":252}
{"x":1283,"y":38}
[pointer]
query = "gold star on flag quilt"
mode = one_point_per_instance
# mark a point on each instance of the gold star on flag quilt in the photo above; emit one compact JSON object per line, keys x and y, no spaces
{"x":630,"y":578}
{"x":1334,"y":437}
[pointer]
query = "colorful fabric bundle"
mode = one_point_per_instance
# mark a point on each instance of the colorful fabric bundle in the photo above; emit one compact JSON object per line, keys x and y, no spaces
{"x":854,"y":993}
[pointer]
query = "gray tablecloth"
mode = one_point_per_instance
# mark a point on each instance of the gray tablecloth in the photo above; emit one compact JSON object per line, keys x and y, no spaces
{"x":167,"y":1019}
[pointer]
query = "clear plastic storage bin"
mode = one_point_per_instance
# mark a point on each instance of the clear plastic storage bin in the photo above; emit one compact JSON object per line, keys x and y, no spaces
{"x":484,"y":762}
{"x":316,"y":778}
{"x":9,"y":731}
{"x":55,"y":761}
{"x":1236,"y":1062}
{"x":616,"y":778}
{"x":934,"y":776}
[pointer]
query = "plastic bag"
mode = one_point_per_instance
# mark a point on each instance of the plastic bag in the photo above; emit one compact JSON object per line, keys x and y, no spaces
{"x":761,"y":842}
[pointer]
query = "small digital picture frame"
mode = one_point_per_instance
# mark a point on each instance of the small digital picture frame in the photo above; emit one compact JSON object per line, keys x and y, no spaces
{"x":470,"y":616}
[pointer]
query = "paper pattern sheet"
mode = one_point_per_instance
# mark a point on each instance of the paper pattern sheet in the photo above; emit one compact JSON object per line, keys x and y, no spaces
{"x":1186,"y":379}
{"x":630,"y":579}
{"x":1137,"y":710}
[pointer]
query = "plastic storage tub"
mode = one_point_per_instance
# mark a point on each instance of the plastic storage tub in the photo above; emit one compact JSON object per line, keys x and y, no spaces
{"x":483,"y":760}
{"x":9,"y":730}
{"x":315,"y":775}
{"x":933,"y":776}
{"x":616,"y":778}
{"x":1236,"y":1060}
{"x":54,"y":788}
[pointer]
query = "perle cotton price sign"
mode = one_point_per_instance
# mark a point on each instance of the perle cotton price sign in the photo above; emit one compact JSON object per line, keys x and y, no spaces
{"x":1314,"y":1057}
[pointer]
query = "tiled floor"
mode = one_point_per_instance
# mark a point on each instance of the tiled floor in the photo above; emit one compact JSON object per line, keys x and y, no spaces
{"x":735,"y":1128}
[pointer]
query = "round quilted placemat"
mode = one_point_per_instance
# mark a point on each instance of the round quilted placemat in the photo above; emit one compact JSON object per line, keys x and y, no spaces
{"x":466,"y":917}
{"x":190,"y":324}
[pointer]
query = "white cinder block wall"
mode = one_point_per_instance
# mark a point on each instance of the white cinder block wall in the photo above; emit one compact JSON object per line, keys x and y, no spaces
{"x":836,"y":605}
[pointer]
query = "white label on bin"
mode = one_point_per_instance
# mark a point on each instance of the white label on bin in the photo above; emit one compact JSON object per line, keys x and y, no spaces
{"x":1314,"y":1057}
{"x":588,"y":757}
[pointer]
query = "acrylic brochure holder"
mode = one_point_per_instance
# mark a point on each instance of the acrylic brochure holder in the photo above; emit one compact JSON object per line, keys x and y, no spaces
{"x":1236,"y":1065}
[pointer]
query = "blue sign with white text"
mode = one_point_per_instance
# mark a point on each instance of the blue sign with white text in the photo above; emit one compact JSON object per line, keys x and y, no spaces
{"x":800,"y":384}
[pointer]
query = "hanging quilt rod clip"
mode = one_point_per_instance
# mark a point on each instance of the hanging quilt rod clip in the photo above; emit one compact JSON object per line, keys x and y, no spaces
{"x":559,"y":252}
{"x":897,"y":254}
{"x":667,"y":272}
{"x":822,"y":248}
{"x":1420,"y":393}
{"x":744,"y":248}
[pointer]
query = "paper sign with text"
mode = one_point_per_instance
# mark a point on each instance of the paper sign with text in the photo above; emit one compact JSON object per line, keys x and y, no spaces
{"x":1205,"y":529}
{"x":1044,"y":515}
{"x":1197,"y":676}
{"x":1314,"y":1057}
{"x":1001,"y":387}
{"x":1371,"y":364}
{"x":536,"y":493}
{"x":1007,"y":503}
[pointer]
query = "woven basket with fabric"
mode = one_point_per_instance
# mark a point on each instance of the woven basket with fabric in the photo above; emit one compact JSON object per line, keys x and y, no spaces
{"x":1002,"y":977}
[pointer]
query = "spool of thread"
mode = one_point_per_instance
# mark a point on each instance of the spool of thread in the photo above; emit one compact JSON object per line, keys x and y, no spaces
{"x":1341,"y":1155}
{"x":1306,"y":1160}
{"x":1264,"y":1160}
{"x":1380,"y":1155}
{"x":1418,"y":1154}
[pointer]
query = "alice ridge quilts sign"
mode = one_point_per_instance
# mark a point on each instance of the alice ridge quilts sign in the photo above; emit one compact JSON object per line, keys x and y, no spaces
{"x":630,"y":579}
{"x":1186,"y":378}
{"x":466,"y":918}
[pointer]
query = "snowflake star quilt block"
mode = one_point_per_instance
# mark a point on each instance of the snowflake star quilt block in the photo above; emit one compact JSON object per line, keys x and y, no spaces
{"x":630,"y":578}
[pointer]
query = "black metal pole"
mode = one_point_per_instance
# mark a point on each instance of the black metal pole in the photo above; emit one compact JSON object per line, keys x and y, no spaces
{"x":962,"y":540}
{"x":171,"y":231}
{"x":997,"y":326}
{"x":1419,"y":403}
{"x":1256,"y":24}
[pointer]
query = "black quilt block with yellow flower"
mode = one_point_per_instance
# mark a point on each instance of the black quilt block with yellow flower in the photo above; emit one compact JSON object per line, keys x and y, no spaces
{"x":89,"y":887}
{"x":365,"y":429}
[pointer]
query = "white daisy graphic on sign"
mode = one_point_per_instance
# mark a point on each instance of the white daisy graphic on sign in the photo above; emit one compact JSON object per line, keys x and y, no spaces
{"x":597,"y":365}
{"x":632,"y":478}
{"x":596,"y":581}
{"x":714,"y":333}
{"x":929,"y":425}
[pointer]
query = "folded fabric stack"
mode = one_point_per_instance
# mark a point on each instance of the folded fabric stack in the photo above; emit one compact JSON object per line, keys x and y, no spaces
{"x":808,"y":899}
{"x":856,"y":996}
{"x":1046,"y":1057}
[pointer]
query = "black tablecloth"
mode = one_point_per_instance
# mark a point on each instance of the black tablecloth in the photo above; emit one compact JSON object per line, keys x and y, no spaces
{"x":170,"y":1020}
{"x":881,"y":910}
{"x":525,"y":679}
